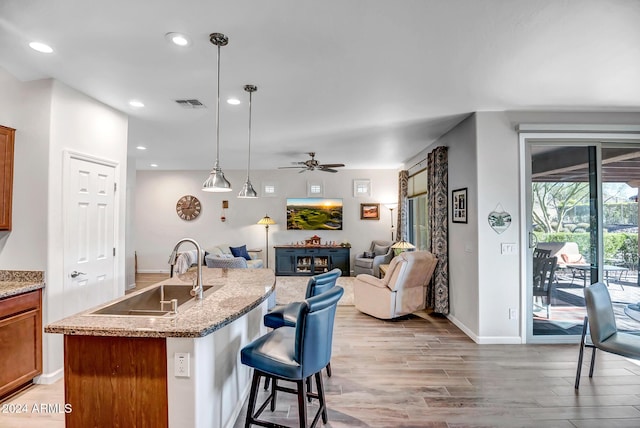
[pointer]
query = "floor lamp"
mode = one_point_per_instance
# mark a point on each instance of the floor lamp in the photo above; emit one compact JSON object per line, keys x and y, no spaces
{"x":266,"y":220}
{"x":391,"y":208}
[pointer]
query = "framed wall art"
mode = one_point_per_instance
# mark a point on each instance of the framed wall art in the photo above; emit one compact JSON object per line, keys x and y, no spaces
{"x":459,"y":205}
{"x":369,"y":211}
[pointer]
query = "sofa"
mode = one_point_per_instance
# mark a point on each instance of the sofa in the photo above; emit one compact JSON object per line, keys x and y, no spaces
{"x":221,"y":256}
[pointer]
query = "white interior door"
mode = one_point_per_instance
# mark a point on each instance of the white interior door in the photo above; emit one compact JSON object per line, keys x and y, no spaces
{"x":89,"y":232}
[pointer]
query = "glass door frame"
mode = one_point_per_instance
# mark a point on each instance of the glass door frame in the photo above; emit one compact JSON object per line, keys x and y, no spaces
{"x":529,"y":136}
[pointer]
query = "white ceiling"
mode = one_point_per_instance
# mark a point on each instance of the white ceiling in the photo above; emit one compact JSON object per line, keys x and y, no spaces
{"x":368,"y":83}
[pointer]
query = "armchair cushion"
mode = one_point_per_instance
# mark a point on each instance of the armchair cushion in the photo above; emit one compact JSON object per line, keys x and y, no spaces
{"x":380,"y":250}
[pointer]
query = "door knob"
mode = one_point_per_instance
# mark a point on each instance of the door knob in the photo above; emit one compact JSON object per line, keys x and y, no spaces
{"x":75,"y":274}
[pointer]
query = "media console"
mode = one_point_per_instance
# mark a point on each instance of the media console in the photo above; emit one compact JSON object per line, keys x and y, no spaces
{"x":311,"y":260}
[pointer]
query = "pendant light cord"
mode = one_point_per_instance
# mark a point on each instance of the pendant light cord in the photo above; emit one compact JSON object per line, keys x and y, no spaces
{"x":249,"y":157}
{"x":218,"y":113}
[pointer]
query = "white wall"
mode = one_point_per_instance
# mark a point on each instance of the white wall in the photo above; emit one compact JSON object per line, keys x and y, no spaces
{"x":158,"y":227}
{"x":26,"y":107}
{"x":81,"y":124}
{"x":488,"y":162}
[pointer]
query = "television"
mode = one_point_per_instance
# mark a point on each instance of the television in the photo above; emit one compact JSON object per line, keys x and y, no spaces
{"x":314,"y":214}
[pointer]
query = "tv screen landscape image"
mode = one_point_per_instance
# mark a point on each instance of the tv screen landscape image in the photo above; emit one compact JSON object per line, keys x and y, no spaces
{"x":314,"y":214}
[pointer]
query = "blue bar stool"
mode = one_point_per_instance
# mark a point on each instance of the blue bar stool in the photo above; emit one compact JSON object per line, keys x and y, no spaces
{"x":286,"y":315}
{"x":294,"y":354}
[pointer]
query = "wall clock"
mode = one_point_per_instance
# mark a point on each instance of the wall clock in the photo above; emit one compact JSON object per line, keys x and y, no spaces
{"x":188,"y":207}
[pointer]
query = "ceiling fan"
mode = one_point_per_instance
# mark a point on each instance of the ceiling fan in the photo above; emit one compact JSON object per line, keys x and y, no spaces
{"x":312,"y":164}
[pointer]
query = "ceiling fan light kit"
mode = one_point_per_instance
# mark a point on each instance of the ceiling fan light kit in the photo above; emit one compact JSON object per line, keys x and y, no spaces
{"x":312,"y":164}
{"x":216,"y":182}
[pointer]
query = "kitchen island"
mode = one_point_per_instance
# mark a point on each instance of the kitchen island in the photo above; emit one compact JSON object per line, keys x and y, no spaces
{"x":176,"y":370}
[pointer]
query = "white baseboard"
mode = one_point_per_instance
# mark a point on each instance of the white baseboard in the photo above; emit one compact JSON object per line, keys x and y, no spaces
{"x":154,"y":270}
{"x":49,"y":378}
{"x":485,"y":340}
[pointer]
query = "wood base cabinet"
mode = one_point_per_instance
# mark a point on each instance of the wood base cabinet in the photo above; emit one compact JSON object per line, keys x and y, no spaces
{"x":115,"y":381}
{"x":311,"y":260}
{"x":20,"y":340}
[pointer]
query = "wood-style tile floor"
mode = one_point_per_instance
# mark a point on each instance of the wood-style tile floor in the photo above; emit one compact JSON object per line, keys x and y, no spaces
{"x":424,"y":372}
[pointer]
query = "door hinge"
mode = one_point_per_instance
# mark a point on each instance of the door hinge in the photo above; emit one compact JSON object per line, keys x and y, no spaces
{"x":114,"y":251}
{"x":115,"y":186}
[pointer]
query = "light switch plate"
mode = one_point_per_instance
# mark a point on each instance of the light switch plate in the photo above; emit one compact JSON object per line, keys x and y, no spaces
{"x":507,"y":248}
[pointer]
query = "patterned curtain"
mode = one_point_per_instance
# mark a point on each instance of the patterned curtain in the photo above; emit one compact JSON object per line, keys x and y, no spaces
{"x":437,"y":223}
{"x":403,"y":206}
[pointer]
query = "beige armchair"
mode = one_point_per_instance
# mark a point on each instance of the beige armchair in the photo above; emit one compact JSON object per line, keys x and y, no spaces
{"x":401,"y":291}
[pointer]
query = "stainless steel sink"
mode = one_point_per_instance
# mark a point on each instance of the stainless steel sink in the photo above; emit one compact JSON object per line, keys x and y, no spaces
{"x":149,"y":302}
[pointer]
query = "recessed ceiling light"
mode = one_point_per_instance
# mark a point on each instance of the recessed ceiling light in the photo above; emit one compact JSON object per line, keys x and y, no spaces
{"x":233,"y":101}
{"x":178,"y":39}
{"x":154,"y":165}
{"x":141,"y":148}
{"x":136,"y":103}
{"x":41,"y":47}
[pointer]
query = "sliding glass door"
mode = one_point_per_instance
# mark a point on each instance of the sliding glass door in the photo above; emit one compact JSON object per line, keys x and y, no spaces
{"x":582,"y":205}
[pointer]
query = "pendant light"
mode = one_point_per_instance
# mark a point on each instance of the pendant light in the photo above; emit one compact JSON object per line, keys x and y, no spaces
{"x":247,"y":190}
{"x":216,"y":181}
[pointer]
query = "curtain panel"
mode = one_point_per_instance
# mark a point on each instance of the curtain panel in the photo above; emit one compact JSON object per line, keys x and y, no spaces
{"x":437,"y":223}
{"x":403,"y":206}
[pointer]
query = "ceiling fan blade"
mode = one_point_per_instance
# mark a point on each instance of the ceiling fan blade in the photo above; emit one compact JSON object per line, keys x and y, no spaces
{"x":331,"y":165}
{"x":284,"y":167}
{"x":328,"y":170}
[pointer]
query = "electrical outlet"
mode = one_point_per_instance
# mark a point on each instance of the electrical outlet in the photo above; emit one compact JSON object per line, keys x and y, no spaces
{"x":513,"y":314}
{"x":181,"y":364}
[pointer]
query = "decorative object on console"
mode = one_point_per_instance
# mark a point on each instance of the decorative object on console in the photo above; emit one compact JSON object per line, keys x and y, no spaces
{"x":459,"y":205}
{"x":188,"y":207}
{"x":312,"y":164}
{"x":247,"y":190}
{"x":369,"y":211}
{"x":314,"y":214}
{"x":216,"y":182}
{"x":499,"y":219}
{"x":266,"y":220}
{"x":402,"y":246}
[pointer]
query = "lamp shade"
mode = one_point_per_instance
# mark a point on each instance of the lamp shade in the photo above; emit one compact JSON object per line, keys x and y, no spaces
{"x":403,"y":245}
{"x":216,"y":182}
{"x":247,"y":191}
{"x":266,"y":220}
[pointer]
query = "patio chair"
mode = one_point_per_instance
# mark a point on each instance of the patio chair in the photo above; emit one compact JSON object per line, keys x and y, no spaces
{"x":543,"y":278}
{"x":603,"y":332}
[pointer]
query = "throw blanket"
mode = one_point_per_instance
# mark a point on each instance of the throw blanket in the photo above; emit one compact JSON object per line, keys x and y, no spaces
{"x":185,"y":260}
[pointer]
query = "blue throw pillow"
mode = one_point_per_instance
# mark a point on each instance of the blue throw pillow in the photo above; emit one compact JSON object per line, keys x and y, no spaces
{"x":240,"y":252}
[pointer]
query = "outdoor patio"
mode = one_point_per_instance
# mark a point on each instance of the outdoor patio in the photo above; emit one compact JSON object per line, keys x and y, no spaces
{"x":568,"y":308}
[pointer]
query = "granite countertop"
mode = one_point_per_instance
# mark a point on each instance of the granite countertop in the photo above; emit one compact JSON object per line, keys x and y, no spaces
{"x":237,"y":291}
{"x":14,"y":282}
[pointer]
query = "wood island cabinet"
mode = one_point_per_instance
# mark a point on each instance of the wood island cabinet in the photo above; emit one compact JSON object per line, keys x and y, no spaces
{"x":292,"y":260}
{"x":20,"y":340}
{"x":7,"y":136}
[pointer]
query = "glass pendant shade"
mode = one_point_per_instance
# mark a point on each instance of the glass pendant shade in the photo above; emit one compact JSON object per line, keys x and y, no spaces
{"x":216,"y":182}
